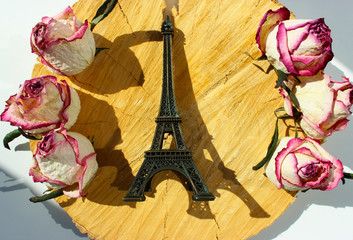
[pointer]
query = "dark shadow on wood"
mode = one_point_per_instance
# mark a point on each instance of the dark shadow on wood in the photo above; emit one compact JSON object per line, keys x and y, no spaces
{"x":117,"y":61}
{"x":187,"y":104}
{"x":97,"y":120}
{"x":265,"y":71}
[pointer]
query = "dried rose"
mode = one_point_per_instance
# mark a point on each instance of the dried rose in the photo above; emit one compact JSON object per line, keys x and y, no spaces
{"x":298,"y":47}
{"x":64,"y":160}
{"x":42,"y":104}
{"x":324,"y":104}
{"x":64,"y":44}
{"x":301,"y":163}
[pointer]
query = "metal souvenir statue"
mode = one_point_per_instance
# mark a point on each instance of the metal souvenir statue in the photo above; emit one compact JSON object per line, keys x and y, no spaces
{"x":168,"y":121}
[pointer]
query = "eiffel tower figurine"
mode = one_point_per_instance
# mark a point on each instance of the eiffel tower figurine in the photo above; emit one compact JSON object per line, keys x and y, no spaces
{"x":168,"y":121}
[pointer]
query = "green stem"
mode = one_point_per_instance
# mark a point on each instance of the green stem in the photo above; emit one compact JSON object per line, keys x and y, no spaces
{"x":10,"y":137}
{"x":53,"y":194}
{"x":98,"y":50}
{"x":347,"y":175}
{"x":28,"y":135}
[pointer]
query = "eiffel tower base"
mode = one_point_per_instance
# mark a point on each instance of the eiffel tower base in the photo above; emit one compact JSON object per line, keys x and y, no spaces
{"x":159,"y":160}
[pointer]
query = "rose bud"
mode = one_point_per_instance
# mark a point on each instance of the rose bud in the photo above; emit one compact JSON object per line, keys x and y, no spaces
{"x":42,"y":104}
{"x":324,"y":104}
{"x":63,"y":43}
{"x":297,"y":47}
{"x":300,"y":164}
{"x":64,"y":160}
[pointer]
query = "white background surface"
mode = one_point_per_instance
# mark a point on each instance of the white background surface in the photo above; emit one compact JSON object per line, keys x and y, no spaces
{"x":314,"y":215}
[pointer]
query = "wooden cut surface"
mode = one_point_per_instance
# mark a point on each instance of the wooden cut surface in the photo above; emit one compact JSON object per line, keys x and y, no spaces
{"x":224,"y":98}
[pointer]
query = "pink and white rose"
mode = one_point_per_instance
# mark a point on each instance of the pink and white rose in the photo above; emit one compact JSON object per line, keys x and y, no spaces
{"x":64,"y":160}
{"x":324,"y":104}
{"x":298,"y":46}
{"x":64,"y":44}
{"x":301,"y":163}
{"x":42,"y":104}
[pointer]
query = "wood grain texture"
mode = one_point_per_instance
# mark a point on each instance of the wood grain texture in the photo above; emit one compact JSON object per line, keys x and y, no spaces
{"x":226,"y":101}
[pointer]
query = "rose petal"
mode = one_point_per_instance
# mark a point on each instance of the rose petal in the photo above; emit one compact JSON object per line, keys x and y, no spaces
{"x":315,"y":98}
{"x":283,"y":50}
{"x":274,"y":165}
{"x":287,"y":104}
{"x":90,"y":168}
{"x":63,"y":43}
{"x":298,"y":47}
{"x":297,"y":31}
{"x":42,"y":104}
{"x":59,"y":53}
{"x":333,"y":178}
{"x":340,"y":112}
{"x":289,"y":170}
{"x":300,"y":164}
{"x":65,"y":160}
{"x":269,"y":20}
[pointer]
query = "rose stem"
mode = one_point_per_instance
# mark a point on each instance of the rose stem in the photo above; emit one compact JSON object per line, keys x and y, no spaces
{"x":53,"y":194}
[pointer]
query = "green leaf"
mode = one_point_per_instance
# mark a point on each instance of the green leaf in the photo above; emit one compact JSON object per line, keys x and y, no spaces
{"x":281,"y":77}
{"x":270,"y":150}
{"x":279,"y":109}
{"x":98,"y":50}
{"x":103,"y":11}
{"x":261,"y":58}
{"x":256,"y":59}
{"x":280,"y":82}
{"x":10,"y":137}
{"x":291,"y":95}
{"x":285,"y":116}
{"x":54,"y":194}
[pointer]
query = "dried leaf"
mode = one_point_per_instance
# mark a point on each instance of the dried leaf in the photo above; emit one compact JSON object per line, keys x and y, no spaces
{"x":281,"y":77}
{"x":103,"y":11}
{"x":271,"y":149}
{"x":256,"y":59}
{"x":291,"y":95}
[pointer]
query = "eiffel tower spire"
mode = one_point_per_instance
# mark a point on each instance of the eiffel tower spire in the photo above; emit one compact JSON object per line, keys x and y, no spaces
{"x":168,"y":121}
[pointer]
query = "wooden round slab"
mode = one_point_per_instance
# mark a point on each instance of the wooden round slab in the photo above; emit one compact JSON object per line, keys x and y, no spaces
{"x":226,"y":101}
